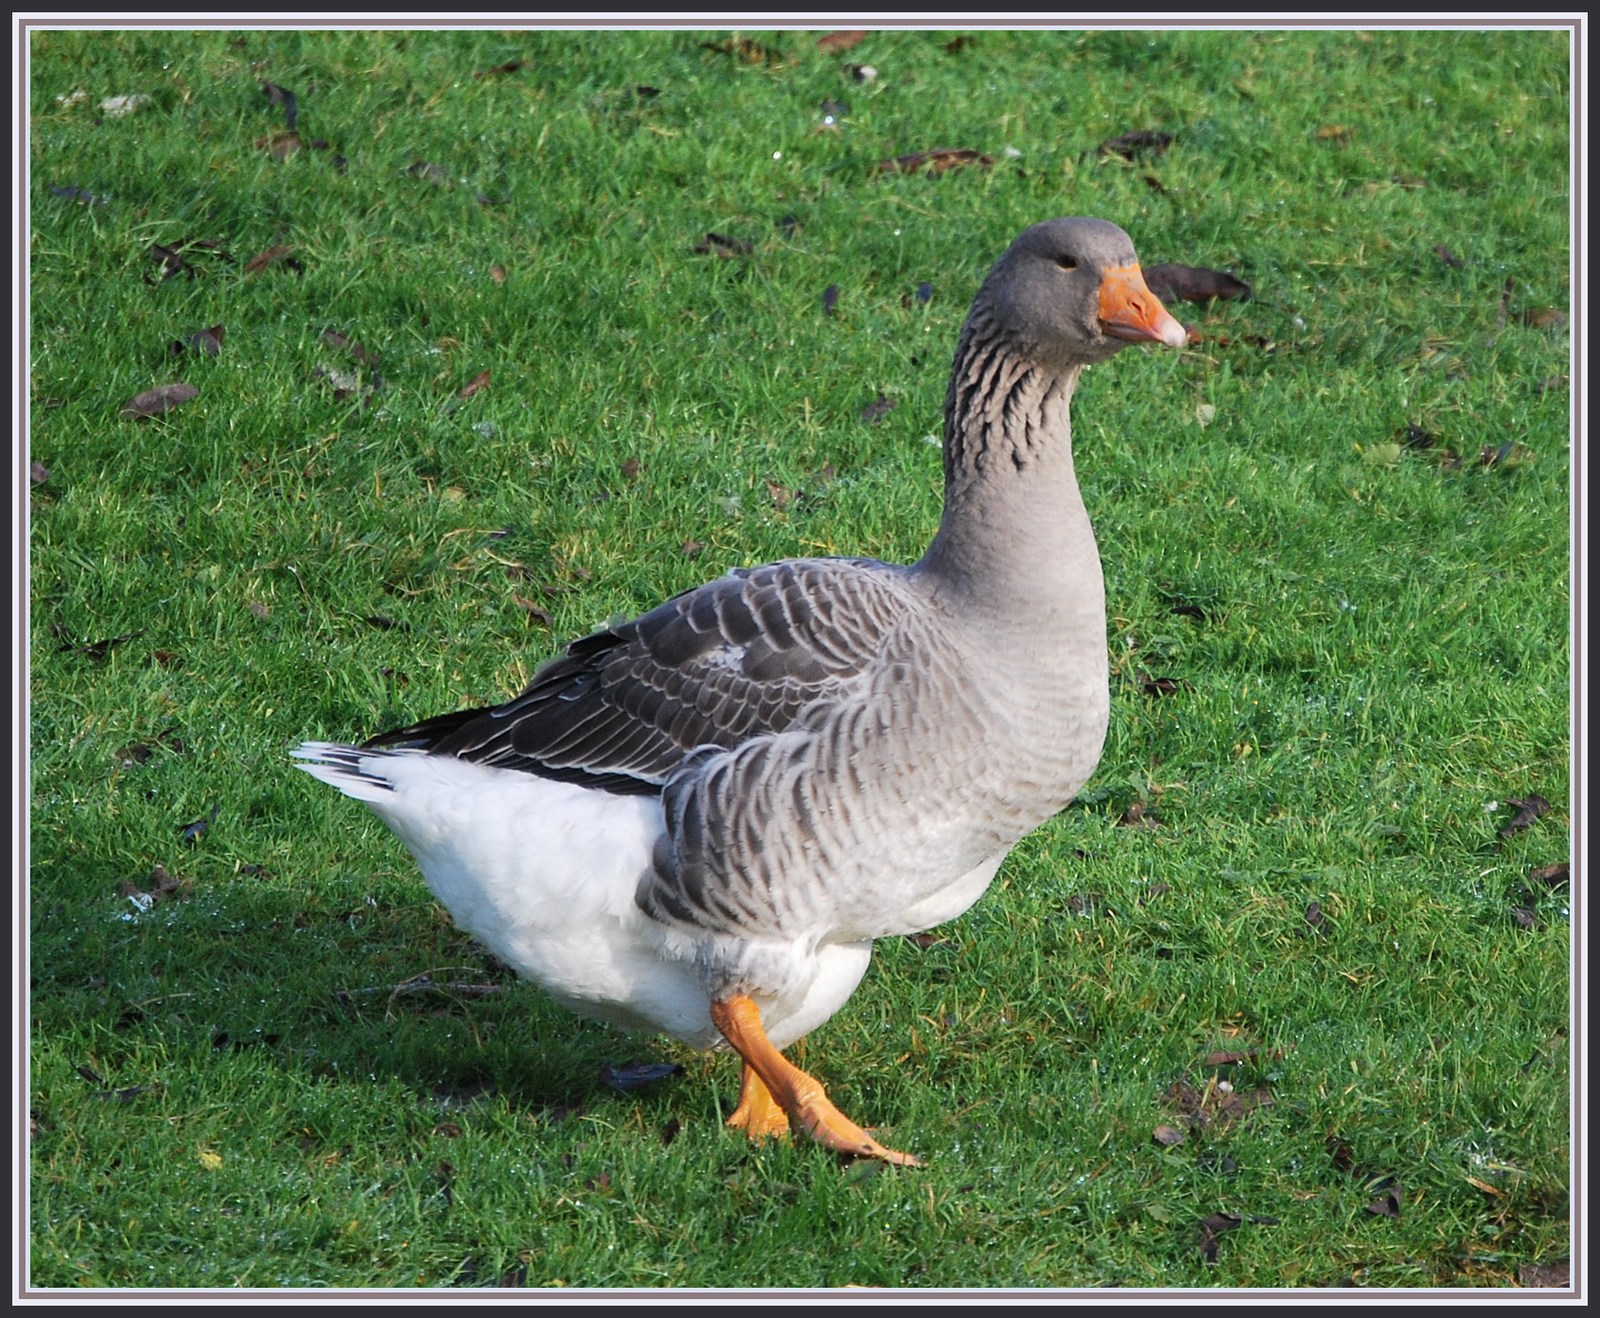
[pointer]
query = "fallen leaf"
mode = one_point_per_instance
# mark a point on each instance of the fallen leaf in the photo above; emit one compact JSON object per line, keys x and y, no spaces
{"x":497,"y":273}
{"x":1161,"y":686}
{"x":1447,"y":256}
{"x":334,"y":339}
{"x":479,"y":381}
{"x":692,"y":548}
{"x":533,"y":610}
{"x":1211,"y":1228}
{"x":629,"y":1076}
{"x":957,"y":44}
{"x":172,"y":262}
{"x":1388,"y":1203}
{"x":206,"y":342}
{"x":1545,"y":318}
{"x":1190,"y":283}
{"x":717,"y":244}
{"x":629,"y":469}
{"x":94,"y":649}
{"x":1140,"y":142}
{"x":499,"y":70}
{"x":1551,"y":876}
{"x":936,"y":161}
{"x":1509,"y":455}
{"x":277,"y":95}
{"x":278,"y":255}
{"x":197,"y":828}
{"x":280,"y":144}
{"x":159,"y":886}
{"x":876,"y":410}
{"x":1167,"y":1136}
{"x":163,"y":398}
{"x":438,"y":175}
{"x":38,"y":473}
{"x":750,"y":51}
{"x":1528,"y":809}
{"x":1337,"y":134}
{"x":834,"y":43}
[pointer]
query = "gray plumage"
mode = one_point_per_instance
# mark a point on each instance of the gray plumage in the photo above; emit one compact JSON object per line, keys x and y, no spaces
{"x":828,"y":750}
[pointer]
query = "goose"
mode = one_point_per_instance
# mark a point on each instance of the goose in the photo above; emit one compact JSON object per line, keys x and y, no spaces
{"x":696,"y":822}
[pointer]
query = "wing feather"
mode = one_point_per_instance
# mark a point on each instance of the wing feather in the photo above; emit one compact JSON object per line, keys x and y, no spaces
{"x":736,"y":658}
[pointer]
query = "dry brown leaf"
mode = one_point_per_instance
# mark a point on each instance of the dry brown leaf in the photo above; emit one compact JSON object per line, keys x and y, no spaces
{"x":1388,"y":1203}
{"x":834,"y":43}
{"x":335,"y":339}
{"x":163,"y":398}
{"x":283,"y":96}
{"x":1545,"y":318}
{"x":206,"y":342}
{"x":277,"y":255}
{"x":1528,"y":809}
{"x":1551,"y":876}
{"x":936,"y":161}
{"x":280,"y":144}
{"x":499,"y":70}
{"x":876,"y":410}
{"x":1189,"y":283}
{"x":750,"y":52}
{"x":478,"y":382}
{"x":1140,"y":142}
{"x":718,"y":244}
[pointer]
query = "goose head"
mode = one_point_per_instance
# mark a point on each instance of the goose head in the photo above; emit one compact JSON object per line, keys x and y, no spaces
{"x":1069,"y":292}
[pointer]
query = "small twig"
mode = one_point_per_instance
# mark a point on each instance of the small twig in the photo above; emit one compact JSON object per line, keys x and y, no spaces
{"x":423,"y":983}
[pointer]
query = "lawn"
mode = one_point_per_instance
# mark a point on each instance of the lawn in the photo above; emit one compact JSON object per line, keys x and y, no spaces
{"x":492,"y":336}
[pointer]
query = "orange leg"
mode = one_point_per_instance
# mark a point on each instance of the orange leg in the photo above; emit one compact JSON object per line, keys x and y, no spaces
{"x":790,"y":1088}
{"x":758,"y":1113}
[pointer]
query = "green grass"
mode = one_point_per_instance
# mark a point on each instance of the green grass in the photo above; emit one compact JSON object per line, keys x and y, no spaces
{"x":1366,"y":645}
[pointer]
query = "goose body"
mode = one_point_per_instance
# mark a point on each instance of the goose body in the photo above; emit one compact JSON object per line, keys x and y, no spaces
{"x":698,"y":821}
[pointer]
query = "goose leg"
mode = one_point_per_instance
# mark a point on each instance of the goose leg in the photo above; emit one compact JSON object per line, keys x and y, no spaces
{"x":758,"y":1113}
{"x":790,"y":1088}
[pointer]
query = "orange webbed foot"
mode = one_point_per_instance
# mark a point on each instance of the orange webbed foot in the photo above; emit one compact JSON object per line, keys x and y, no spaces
{"x":772,"y":1083}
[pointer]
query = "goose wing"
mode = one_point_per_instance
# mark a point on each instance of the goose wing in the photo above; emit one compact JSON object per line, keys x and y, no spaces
{"x":736,"y":658}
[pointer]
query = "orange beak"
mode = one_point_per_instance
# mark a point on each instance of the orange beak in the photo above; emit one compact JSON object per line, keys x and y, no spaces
{"x":1130,"y":311}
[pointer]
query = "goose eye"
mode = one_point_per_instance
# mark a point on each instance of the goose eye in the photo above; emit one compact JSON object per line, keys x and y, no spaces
{"x":1066,"y":263}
